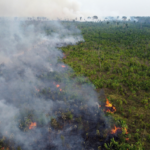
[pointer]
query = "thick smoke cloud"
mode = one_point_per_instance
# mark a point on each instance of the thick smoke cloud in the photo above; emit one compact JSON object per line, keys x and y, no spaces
{"x":52,"y":9}
{"x":71,"y":9}
{"x":30,"y":64}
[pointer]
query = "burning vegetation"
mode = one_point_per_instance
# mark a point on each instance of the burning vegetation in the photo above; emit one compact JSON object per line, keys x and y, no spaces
{"x":50,"y":109}
{"x":109,"y":107}
{"x":32,"y":125}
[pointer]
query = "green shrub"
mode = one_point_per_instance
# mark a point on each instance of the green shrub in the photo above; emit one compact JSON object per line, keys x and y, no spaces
{"x":148,"y":137}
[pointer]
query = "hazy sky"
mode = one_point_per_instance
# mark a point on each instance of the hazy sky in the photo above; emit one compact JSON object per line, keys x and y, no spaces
{"x":117,"y":7}
{"x":74,"y":8}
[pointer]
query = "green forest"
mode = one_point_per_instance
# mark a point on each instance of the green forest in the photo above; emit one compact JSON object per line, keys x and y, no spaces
{"x":115,"y":56}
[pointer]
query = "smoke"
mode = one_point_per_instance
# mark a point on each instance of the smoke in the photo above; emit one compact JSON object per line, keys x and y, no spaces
{"x":71,"y":9}
{"x":36,"y":88}
{"x":48,"y":8}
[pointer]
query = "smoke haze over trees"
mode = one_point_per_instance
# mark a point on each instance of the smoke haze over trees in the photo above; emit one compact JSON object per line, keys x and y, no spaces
{"x":71,"y":9}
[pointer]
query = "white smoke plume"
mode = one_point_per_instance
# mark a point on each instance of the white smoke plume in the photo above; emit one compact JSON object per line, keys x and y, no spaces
{"x":52,"y":9}
{"x":71,"y":9}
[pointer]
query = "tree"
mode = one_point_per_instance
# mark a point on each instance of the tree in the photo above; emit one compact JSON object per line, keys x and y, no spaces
{"x":124,"y":18}
{"x":95,"y":17}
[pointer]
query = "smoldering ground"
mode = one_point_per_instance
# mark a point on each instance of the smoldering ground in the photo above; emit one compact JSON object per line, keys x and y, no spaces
{"x":34,"y":87}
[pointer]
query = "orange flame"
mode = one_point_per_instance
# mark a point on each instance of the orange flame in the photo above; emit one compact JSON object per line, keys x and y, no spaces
{"x":63,"y":66}
{"x":109,"y":111}
{"x":57,"y":85}
{"x":113,"y":131}
{"x":32,"y":125}
{"x":109,"y":105}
